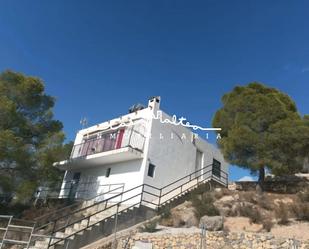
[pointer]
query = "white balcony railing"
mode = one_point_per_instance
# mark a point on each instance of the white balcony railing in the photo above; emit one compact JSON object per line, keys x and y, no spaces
{"x":122,"y":138}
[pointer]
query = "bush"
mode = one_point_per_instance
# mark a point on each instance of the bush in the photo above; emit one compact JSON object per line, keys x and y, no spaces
{"x":204,"y":206}
{"x":264,"y":202}
{"x":202,"y":189}
{"x":165,"y":212}
{"x":25,"y":191}
{"x":248,"y":196}
{"x":149,"y":227}
{"x":267,"y":225}
{"x":304,"y":196}
{"x":250,"y":212}
{"x":15,"y":209}
{"x":301,"y":211}
{"x":282,"y":215}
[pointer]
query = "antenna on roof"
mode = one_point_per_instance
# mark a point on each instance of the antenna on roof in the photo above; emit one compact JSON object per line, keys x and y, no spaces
{"x":83,"y":122}
{"x":136,"y":107}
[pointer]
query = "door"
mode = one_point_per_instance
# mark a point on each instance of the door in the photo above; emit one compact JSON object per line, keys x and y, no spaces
{"x":198,"y":163}
{"x":74,"y":186}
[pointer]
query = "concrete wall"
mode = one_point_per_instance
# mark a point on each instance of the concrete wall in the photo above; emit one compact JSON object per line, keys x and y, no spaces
{"x":173,"y":152}
{"x":127,"y":173}
{"x":211,"y":152}
{"x":173,"y":157}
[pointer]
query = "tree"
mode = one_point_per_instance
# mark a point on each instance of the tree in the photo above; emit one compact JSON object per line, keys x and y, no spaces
{"x":262,"y":128}
{"x":30,"y":138}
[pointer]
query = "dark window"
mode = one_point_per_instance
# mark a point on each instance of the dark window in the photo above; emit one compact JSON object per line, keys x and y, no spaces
{"x":76,"y":176}
{"x":108,"y":172}
{"x":151,"y":170}
{"x":216,"y":168}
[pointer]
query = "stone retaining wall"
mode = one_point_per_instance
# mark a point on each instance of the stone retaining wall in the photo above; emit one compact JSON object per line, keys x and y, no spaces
{"x":213,"y":240}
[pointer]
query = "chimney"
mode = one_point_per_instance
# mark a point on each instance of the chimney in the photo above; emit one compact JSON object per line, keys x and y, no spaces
{"x":154,"y":103}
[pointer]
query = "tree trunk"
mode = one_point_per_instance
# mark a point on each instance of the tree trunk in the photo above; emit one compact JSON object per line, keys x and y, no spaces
{"x":261,"y":178}
{"x":261,"y":174}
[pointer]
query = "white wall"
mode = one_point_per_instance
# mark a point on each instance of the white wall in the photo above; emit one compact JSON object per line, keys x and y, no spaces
{"x":210,"y":153}
{"x":175,"y":157}
{"x":127,"y":173}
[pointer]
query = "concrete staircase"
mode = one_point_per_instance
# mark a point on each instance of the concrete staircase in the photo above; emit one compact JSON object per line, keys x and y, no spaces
{"x":79,"y":228}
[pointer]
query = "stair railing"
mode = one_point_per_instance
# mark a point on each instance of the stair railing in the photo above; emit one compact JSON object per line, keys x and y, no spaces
{"x":127,"y":197}
{"x":47,"y":219}
{"x":139,"y":195}
{"x":15,"y":231}
{"x":41,"y":237}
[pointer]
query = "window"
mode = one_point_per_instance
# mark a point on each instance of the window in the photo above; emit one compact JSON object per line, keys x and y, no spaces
{"x":216,"y":168}
{"x":151,"y":170}
{"x":198,"y":162}
{"x":108,"y":172}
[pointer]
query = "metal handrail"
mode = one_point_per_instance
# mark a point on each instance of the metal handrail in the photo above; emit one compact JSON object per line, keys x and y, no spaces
{"x":10,"y":224}
{"x":31,"y":240}
{"x":100,"y":211}
{"x":73,"y":205}
{"x":138,"y":203}
{"x":97,"y":203}
{"x":106,"y":200}
{"x":93,"y":224}
{"x":80,"y":194}
{"x":128,"y":144}
{"x":88,"y":199}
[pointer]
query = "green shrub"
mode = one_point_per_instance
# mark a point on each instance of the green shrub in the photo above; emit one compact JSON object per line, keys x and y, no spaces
{"x":301,"y":211}
{"x":252,"y":213}
{"x":14,"y":208}
{"x":264,"y":202}
{"x":248,"y":197}
{"x":165,"y":212}
{"x":25,"y":191}
{"x":202,"y":189}
{"x":149,"y":227}
{"x":267,"y":225}
{"x":282,"y":215}
{"x":304,"y":196}
{"x":203,"y":205}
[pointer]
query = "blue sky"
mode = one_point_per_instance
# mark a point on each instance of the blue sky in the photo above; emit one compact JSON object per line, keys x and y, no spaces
{"x":100,"y":57}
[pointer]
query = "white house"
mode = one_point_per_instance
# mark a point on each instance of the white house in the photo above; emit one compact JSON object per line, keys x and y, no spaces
{"x":134,"y":149}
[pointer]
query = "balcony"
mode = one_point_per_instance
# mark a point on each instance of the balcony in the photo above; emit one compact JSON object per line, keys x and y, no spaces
{"x":106,"y":148}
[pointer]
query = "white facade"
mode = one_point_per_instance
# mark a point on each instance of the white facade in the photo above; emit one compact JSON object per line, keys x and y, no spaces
{"x":104,"y":159}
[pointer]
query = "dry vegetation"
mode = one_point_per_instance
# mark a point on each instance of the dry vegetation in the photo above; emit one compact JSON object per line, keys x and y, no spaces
{"x":262,"y":208}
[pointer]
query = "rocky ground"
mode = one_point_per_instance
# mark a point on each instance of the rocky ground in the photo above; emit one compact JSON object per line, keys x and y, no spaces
{"x":251,"y":211}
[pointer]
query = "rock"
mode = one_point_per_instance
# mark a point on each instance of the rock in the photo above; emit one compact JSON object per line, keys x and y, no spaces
{"x":227,"y":198}
{"x":258,"y":189}
{"x":142,"y":245}
{"x":212,"y":223}
{"x":184,"y":215}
